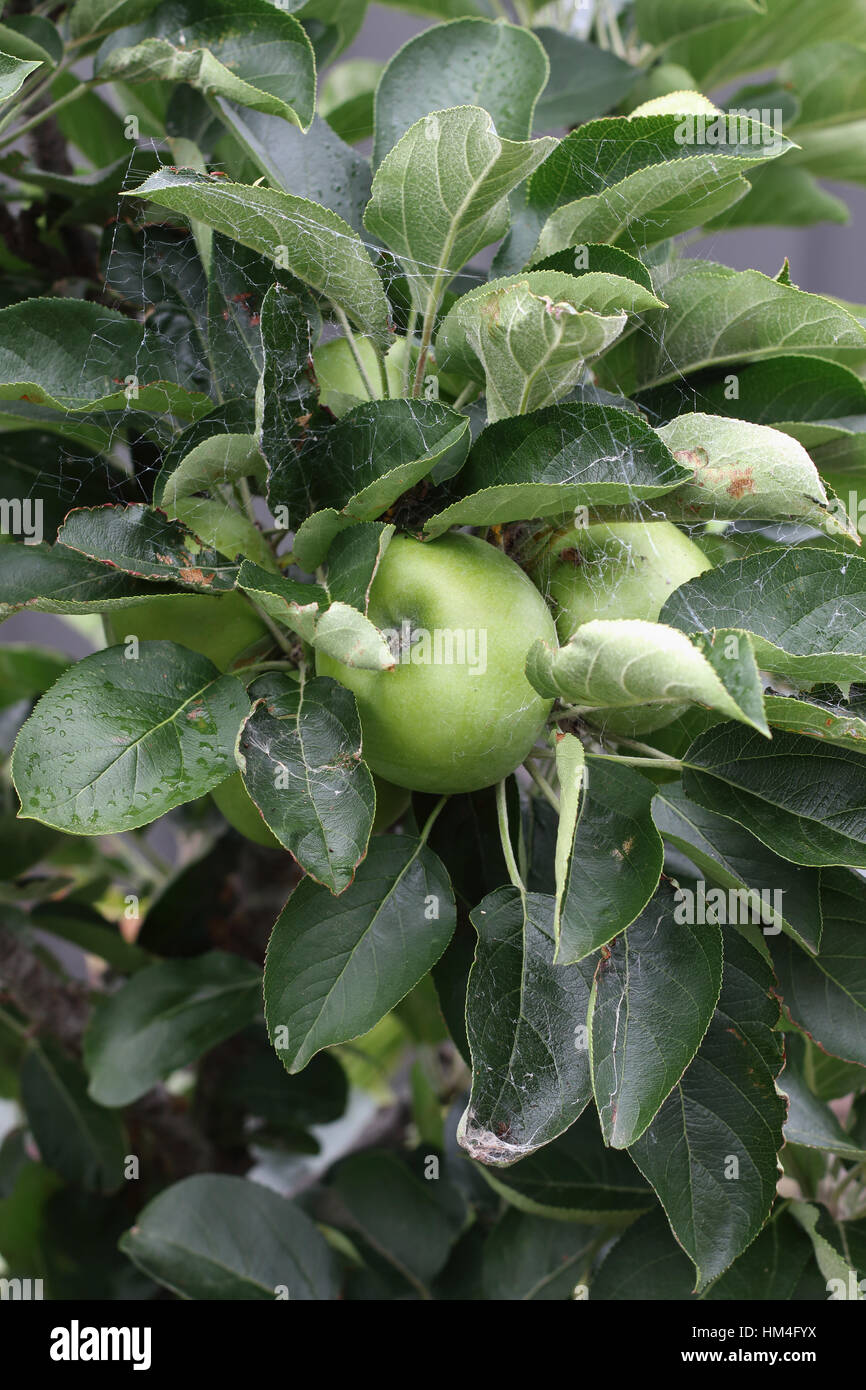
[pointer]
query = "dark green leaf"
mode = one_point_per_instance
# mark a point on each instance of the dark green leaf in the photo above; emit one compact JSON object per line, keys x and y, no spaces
{"x":75,"y":1136}
{"x":301,"y":755}
{"x":653,"y":998}
{"x":164,"y":1018}
{"x":710,"y":1152}
{"x":802,"y":799}
{"x":471,"y":62}
{"x":335,"y":966}
{"x":616,"y":860}
{"x":526,"y":1022}
{"x":223,"y":1238}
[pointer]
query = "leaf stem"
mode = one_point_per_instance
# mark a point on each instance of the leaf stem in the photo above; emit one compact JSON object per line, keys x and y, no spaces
{"x":469,"y":392}
{"x":507,"y":849}
{"x":675,"y":764}
{"x":43,"y":115}
{"x":644,"y":748}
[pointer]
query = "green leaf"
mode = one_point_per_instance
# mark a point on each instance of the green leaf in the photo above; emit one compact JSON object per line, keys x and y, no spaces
{"x":31,"y":36}
{"x":640,"y":180}
{"x":353,"y":562}
{"x":733,"y":858}
{"x":313,"y":164}
{"x":805,"y":611}
{"x":529,"y":349}
{"x":832,"y":1263}
{"x":116,"y":743}
{"x":337,"y":629}
{"x":742,"y":470}
{"x":346,"y":98}
{"x":76,"y":356}
{"x":571,"y":774}
{"x":616,"y":860}
{"x":597,"y":259}
{"x":312,"y":242}
{"x":652,"y":1000}
{"x":221,"y":1238}
{"x":77,"y":1138}
{"x":440,"y":195}
{"x":300,"y":751}
{"x":826,"y":994}
{"x":289,"y":393}
{"x":530,"y":1065}
{"x":218,"y":460}
{"x":831,"y":723}
{"x":782,"y":195}
{"x":396,"y":1214}
{"x":779,"y":1264}
{"x":26,"y":671}
{"x":528,"y":1258}
{"x":710,"y":1152}
{"x":95,"y":16}
{"x":717,"y":315}
{"x":812,"y":1123}
{"x":261,"y":58}
{"x":595,"y":291}
{"x":574,"y":1178}
{"x":661,"y":21}
{"x":471,"y":62}
{"x":143,"y":542}
{"x":802,"y":799}
{"x":802,"y":395}
{"x":164,"y":1018}
{"x":556,"y":459}
{"x":14,"y":73}
{"x":829,"y":82}
{"x":737,"y":45}
{"x":584,"y":81}
{"x":52,"y":579}
{"x":362,"y":463}
{"x":623,"y":663}
{"x":336,"y":966}
{"x":646,"y":1263}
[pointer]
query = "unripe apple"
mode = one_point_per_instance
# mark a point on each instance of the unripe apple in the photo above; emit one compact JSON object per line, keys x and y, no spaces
{"x":241,"y":811}
{"x":219,"y":626}
{"x":456,"y":712}
{"x":667,"y":77}
{"x":620,"y":569}
{"x":391,"y":802}
{"x":617,"y":569}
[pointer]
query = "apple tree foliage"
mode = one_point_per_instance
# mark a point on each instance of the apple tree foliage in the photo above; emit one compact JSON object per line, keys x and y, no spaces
{"x":264,"y":307}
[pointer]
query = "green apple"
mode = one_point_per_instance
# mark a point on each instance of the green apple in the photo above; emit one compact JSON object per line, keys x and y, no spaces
{"x":618,"y":569}
{"x":391,"y":802}
{"x":241,"y":811}
{"x":621,"y":569}
{"x":219,"y":626}
{"x":658,"y":82}
{"x":456,"y":712}
{"x":341,"y":386}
